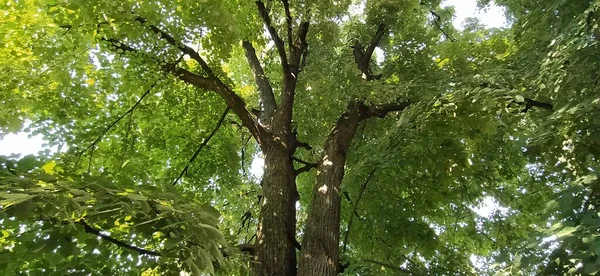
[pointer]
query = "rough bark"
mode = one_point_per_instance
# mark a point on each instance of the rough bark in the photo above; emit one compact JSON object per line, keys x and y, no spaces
{"x":320,"y":248}
{"x":275,"y":253}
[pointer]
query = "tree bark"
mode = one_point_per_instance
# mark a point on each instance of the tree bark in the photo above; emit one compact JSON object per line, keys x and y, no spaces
{"x":275,"y":253}
{"x":320,"y":247}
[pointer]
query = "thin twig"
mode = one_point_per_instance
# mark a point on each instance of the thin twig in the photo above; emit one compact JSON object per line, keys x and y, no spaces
{"x":98,"y":232}
{"x":93,"y":144}
{"x":21,"y":260}
{"x":204,"y":143}
{"x":360,"y":194}
{"x":436,"y":20}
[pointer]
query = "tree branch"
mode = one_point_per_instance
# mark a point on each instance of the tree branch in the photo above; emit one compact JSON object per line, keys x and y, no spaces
{"x":98,"y":232}
{"x":362,"y":56}
{"x":307,"y":166}
{"x":436,"y":20}
{"x":382,"y":110}
{"x":264,"y":86}
{"x":381,"y":29}
{"x":234,"y":101}
{"x":363,"y":187}
{"x":288,"y":21}
{"x":290,"y":77}
{"x":301,"y":46}
{"x":279,"y":44}
{"x":107,"y":129}
{"x":529,"y":103}
{"x":170,"y":67}
{"x":204,"y":143}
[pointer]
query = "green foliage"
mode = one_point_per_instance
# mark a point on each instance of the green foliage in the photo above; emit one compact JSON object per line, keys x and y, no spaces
{"x":66,"y":218}
{"x":126,"y":130}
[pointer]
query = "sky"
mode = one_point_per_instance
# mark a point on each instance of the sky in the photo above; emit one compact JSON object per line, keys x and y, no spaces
{"x":492,"y":17}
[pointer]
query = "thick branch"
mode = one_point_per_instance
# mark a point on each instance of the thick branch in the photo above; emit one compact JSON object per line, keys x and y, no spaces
{"x":170,"y":67}
{"x":98,"y":232}
{"x":300,"y":48}
{"x":235,"y":102}
{"x":279,"y":44}
{"x":290,"y":77}
{"x":363,"y":187}
{"x":195,"y":80}
{"x":529,"y":103}
{"x":363,"y":56}
{"x":374,"y":42}
{"x":264,"y":86}
{"x":382,"y":110}
{"x":321,"y":237}
{"x":288,"y":21}
{"x":204,"y":143}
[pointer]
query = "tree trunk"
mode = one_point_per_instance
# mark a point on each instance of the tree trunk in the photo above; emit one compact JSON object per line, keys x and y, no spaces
{"x":320,"y":247}
{"x":275,"y":253}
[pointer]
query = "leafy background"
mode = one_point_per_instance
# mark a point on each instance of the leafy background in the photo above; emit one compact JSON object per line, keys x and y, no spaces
{"x":413,"y":181}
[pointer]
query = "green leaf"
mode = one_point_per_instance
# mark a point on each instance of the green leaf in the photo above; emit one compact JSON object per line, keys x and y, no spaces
{"x":566,"y":232}
{"x":49,"y":167}
{"x":137,"y":197}
{"x":9,"y":199}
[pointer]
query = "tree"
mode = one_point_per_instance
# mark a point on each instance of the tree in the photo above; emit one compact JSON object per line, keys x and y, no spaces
{"x":375,"y":161}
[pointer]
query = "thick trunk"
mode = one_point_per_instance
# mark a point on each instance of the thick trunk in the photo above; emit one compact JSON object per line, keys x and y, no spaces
{"x":275,"y":253}
{"x":320,"y":248}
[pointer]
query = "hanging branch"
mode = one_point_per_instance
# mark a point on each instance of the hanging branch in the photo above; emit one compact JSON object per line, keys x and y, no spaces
{"x":363,"y":187}
{"x":382,"y":110}
{"x":169,"y":67}
{"x":98,"y":232}
{"x":93,"y":144}
{"x":204,"y":143}
{"x":436,"y":20}
{"x":347,"y":196}
{"x":527,"y":102}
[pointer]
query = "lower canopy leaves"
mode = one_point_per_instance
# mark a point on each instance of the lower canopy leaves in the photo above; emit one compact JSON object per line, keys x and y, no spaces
{"x":63,"y":216}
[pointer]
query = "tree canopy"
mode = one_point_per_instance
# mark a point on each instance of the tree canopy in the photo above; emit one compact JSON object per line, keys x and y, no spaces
{"x":384,"y":129}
